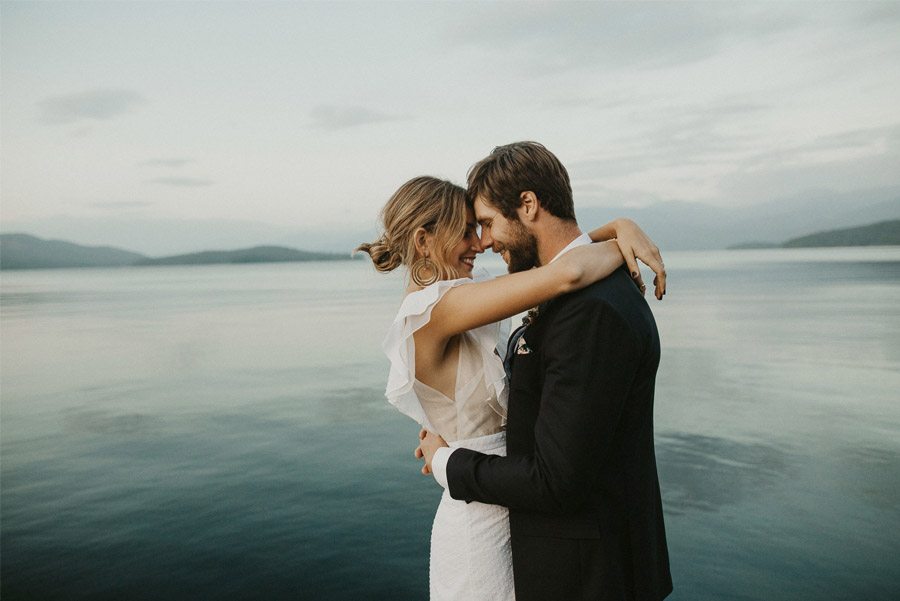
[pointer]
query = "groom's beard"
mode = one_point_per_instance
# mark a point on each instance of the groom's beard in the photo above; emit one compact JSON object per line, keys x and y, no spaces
{"x":522,"y":248}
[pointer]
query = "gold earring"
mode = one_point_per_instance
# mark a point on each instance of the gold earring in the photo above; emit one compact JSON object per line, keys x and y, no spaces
{"x":419,"y":269}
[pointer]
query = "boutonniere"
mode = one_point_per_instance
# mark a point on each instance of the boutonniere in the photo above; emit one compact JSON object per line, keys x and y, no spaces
{"x":522,"y":347}
{"x":531,"y":316}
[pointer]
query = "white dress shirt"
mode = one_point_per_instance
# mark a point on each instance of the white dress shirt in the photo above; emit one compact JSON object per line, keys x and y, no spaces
{"x":442,"y":455}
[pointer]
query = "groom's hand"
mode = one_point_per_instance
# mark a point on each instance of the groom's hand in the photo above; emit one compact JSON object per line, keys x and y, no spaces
{"x":429,"y":443}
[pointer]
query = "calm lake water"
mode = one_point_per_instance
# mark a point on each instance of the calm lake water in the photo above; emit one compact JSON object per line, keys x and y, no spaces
{"x":220,"y":432}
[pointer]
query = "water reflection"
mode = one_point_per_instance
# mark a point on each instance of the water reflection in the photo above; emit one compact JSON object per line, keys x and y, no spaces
{"x":108,"y":422}
{"x":873,"y":475}
{"x":706,"y":473}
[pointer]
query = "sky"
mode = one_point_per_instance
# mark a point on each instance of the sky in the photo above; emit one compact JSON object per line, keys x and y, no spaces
{"x":312,"y":114}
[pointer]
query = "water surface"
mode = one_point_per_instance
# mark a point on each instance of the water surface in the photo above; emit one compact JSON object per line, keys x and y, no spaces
{"x":221,"y":431}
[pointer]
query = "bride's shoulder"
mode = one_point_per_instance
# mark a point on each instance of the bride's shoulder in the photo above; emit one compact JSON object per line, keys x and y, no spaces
{"x":422,"y":301}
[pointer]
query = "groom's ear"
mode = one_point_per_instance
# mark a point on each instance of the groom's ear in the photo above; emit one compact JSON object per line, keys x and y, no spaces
{"x":528,"y":207}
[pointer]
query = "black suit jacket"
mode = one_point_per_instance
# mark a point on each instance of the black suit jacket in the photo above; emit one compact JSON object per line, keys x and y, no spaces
{"x":580,"y":476}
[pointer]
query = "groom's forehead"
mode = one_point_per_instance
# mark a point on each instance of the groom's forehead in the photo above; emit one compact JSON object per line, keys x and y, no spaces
{"x":483,"y":209}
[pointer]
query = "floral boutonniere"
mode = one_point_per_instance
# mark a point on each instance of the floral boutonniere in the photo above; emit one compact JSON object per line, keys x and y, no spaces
{"x":531,"y":316}
{"x":522,"y":347}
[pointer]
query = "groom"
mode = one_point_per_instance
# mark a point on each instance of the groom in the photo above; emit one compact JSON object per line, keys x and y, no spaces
{"x":579,"y":478}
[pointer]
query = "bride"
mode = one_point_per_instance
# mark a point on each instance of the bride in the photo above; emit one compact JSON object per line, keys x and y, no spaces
{"x":445,"y":351}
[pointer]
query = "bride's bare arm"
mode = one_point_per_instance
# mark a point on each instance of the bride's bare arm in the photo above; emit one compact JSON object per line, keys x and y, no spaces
{"x":479,"y":303}
{"x":635,"y":245}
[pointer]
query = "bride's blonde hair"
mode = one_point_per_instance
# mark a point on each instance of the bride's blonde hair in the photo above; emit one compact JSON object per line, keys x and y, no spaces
{"x":434,"y":204}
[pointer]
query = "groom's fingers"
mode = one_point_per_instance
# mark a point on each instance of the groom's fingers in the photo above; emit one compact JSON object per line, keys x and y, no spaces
{"x":423,"y":433}
{"x":426,"y":470}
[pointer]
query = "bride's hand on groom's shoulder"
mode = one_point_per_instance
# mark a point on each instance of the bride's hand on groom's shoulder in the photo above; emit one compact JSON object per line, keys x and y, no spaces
{"x":635,"y":246}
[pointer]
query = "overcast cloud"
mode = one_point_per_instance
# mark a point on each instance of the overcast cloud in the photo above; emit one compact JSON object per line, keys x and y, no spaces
{"x":171,"y":162}
{"x":90,"y":105}
{"x":341,"y":117}
{"x":181,"y":182}
{"x":116,"y":206}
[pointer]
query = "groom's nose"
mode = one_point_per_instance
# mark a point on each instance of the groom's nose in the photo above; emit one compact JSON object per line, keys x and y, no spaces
{"x":486,"y":240}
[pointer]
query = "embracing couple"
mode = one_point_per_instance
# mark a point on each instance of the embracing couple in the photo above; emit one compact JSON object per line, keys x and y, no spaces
{"x":543,"y":443}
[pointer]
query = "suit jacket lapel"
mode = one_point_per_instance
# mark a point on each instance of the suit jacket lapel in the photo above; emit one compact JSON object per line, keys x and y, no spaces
{"x":511,"y":350}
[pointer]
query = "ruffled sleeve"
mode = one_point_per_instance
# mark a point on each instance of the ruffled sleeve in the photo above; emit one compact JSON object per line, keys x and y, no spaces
{"x":399,"y":346}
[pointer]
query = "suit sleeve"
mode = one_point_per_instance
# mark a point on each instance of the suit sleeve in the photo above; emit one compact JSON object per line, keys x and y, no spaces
{"x":589,"y":358}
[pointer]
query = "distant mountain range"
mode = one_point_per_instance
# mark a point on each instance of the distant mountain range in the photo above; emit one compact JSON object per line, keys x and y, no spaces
{"x":883,"y":233}
{"x":22,"y":251}
{"x":257,"y":254}
{"x":673,"y":225}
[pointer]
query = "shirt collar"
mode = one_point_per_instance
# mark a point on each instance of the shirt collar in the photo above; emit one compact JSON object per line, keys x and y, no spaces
{"x":579,"y":241}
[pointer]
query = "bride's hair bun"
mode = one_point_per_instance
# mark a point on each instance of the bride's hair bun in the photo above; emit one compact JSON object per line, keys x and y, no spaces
{"x":384,"y":258}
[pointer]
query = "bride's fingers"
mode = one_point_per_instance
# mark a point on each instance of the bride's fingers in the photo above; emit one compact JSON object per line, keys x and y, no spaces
{"x":631,"y":262}
{"x":659,"y":269}
{"x":660,"y":282}
{"x":640,"y":283}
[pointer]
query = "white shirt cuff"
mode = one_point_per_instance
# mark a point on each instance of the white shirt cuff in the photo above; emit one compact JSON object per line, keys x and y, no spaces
{"x":439,"y":465}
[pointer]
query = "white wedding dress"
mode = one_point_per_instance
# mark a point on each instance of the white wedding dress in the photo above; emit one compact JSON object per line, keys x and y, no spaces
{"x":470,"y":551}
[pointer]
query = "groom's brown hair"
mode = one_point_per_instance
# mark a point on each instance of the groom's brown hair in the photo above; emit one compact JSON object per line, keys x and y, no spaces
{"x":501,"y":177}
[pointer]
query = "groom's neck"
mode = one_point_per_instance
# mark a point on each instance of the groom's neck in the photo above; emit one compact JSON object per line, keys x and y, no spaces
{"x":555,"y":236}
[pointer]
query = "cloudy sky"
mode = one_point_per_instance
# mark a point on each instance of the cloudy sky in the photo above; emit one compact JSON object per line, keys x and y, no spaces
{"x":313,"y":113}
